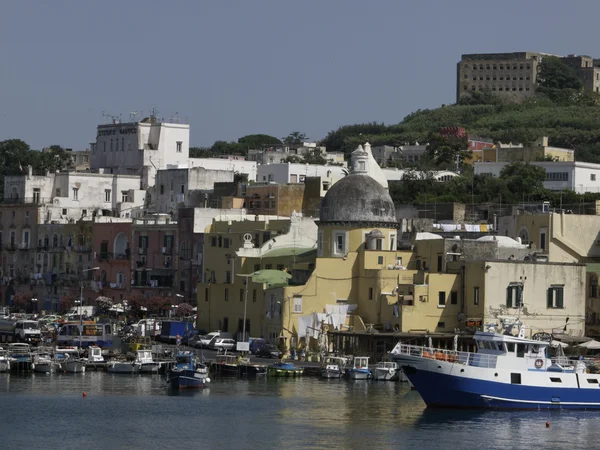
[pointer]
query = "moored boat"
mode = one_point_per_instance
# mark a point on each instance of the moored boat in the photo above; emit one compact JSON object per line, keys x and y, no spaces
{"x":4,"y":360}
{"x":188,"y":372}
{"x":507,"y":372}
{"x":44,"y":363}
{"x":284,"y":369}
{"x":360,"y":369}
{"x":386,"y":371}
{"x":21,"y":359}
{"x":122,"y":366}
{"x":145,"y":362}
{"x":333,"y":367}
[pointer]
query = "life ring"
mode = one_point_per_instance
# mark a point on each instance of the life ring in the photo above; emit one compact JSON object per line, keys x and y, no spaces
{"x":539,"y":363}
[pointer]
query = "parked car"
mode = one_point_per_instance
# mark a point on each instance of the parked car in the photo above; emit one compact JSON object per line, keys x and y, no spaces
{"x":194,"y":341}
{"x":256,"y":343}
{"x":269,"y":351}
{"x":222,"y":344}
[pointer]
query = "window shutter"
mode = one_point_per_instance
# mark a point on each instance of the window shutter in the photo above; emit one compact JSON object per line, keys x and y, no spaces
{"x":550,"y":298}
{"x":509,"y":297}
{"x":559,"y":297}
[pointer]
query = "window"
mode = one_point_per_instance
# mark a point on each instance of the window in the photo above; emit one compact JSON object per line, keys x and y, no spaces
{"x":228,"y":277}
{"x":593,"y":282}
{"x":454,"y":298}
{"x":107,"y":195}
{"x":179,"y":145}
{"x":242,"y":291}
{"x":75,"y":193}
{"x":439,"y":263}
{"x":226,"y":243}
{"x":556,"y":296}
{"x":592,"y":178}
{"x":213,"y":241}
{"x":380,"y":260}
{"x":226,"y":294}
{"x":268,"y":266}
{"x":557,"y":176}
{"x":476,"y":295}
{"x":514,"y":295}
{"x":162,"y":189}
{"x":339,"y":243}
{"x":256,"y":267}
{"x":515,"y":378}
{"x":254,"y":295}
{"x":213,"y":276}
{"x":379,"y":244}
{"x":555,"y":380}
{"x":441,"y":299}
{"x":124,"y":196}
{"x":280,"y":266}
{"x":297,"y":304}
{"x":441,"y":325}
{"x":370,"y":293}
{"x":205,"y":294}
{"x":26,"y":238}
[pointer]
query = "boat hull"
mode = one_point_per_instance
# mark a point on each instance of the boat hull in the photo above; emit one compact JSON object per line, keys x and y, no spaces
{"x":4,"y":366}
{"x":386,"y":374}
{"x":149,"y":368}
{"x":251,"y":370}
{"x":359,"y":374}
{"x":127,"y":368}
{"x":329,"y":373}
{"x":44,"y":367}
{"x":440,"y":390}
{"x":284,"y":373}
{"x":184,"y":379}
{"x":73,"y":366}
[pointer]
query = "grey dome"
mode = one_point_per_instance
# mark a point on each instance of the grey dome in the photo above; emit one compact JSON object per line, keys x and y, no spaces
{"x":358,"y":198}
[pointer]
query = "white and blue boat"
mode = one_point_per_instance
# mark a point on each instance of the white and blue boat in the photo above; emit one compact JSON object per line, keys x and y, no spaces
{"x":188,"y":372}
{"x":360,"y":369}
{"x":507,"y":372}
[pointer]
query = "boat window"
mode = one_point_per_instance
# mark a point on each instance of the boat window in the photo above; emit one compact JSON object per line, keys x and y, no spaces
{"x":535,"y":348}
{"x":515,"y":378}
{"x":592,"y":380}
{"x":107,"y":329}
{"x":521,"y":350}
{"x":555,"y":380}
{"x":73,"y":331}
{"x":510,"y":347}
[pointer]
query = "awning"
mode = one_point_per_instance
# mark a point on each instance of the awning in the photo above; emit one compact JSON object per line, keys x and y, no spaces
{"x":272,"y":278}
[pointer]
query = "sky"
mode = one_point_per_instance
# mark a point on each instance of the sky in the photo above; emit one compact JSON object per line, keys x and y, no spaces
{"x":231,"y":68}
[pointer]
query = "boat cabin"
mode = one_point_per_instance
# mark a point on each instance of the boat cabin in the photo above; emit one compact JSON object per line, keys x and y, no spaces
{"x":361,"y":362}
{"x":226,"y":359}
{"x":507,"y":351}
{"x":95,"y":355}
{"x":144,"y":356}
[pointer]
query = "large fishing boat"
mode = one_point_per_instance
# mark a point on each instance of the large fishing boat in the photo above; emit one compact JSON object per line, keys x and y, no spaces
{"x":507,"y":372}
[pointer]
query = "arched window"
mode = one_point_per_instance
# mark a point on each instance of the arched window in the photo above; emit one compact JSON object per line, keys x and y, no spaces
{"x":121,"y":246}
{"x":524,"y":235}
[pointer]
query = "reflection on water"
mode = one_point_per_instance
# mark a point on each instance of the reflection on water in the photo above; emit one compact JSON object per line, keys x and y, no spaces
{"x":137,"y":411}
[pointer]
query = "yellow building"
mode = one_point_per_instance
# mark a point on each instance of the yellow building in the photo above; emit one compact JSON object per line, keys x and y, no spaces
{"x":235,"y":249}
{"x":573,"y":238}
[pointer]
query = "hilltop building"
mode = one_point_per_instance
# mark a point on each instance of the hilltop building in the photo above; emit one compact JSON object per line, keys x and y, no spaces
{"x":515,"y":75}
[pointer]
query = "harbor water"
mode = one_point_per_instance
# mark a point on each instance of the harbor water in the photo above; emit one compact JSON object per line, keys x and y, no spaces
{"x":139,"y":412}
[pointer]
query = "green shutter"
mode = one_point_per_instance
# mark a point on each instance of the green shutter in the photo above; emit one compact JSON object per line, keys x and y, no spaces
{"x":559,"y":297}
{"x":549,"y":294}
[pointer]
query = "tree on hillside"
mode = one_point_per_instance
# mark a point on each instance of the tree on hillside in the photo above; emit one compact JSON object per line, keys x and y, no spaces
{"x":523,"y":180}
{"x":555,"y":73}
{"x":447,"y":151}
{"x":314,"y":156}
{"x":294,"y":138}
{"x":256,"y":141}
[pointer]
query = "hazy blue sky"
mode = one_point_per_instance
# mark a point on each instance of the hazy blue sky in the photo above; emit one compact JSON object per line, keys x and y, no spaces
{"x":240,"y":67}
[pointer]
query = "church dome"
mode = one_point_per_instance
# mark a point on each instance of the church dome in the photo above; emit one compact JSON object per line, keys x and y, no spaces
{"x":358,"y":198}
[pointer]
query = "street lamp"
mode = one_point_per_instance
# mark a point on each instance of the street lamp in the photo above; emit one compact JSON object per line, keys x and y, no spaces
{"x":244,"y":346}
{"x":34,"y":302}
{"x":81,"y":302}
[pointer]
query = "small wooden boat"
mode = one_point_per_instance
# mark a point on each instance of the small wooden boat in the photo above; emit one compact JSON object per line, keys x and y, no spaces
{"x":360,"y":369}
{"x":121,"y":366}
{"x":284,"y":369}
{"x":387,"y":371}
{"x":333,"y":367}
{"x":145,"y":362}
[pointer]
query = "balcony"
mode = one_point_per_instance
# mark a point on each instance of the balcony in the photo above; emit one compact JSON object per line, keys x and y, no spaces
{"x":104,"y":256}
{"x":24,"y":246}
{"x":25,"y":201}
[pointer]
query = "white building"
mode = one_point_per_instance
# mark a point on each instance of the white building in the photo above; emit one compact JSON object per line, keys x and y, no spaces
{"x":398,"y":174}
{"x":285,"y":173}
{"x":233,"y":165}
{"x":575,"y":176}
{"x":71,"y":195}
{"x":140,"y":148}
{"x":178,"y":187}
